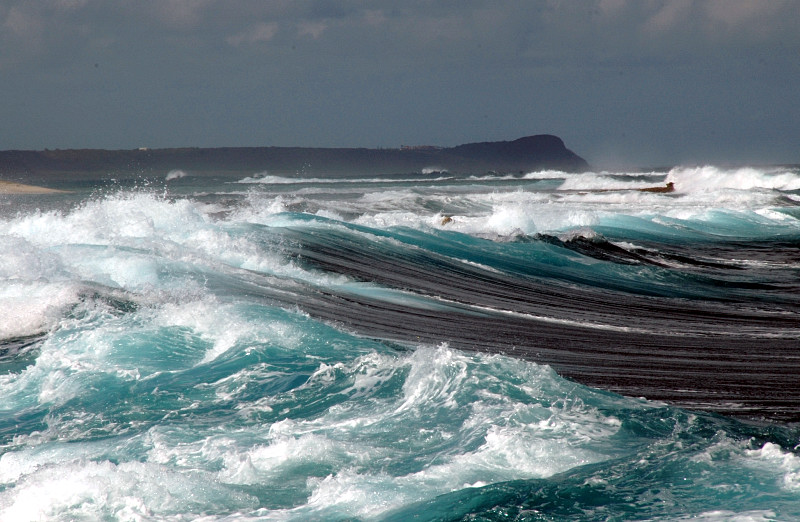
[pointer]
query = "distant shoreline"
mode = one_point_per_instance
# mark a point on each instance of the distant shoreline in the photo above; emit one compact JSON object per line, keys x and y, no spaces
{"x":530,"y":153}
{"x":11,"y":187}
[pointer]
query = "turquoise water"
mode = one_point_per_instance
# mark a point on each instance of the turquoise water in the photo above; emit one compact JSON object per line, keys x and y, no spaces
{"x":273,"y":348}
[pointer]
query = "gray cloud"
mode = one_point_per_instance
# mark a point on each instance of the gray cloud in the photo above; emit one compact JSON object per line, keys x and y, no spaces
{"x":258,"y":33}
{"x":620,"y":80}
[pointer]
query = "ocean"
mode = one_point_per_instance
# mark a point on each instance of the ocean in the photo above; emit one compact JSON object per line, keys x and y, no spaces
{"x":424,"y":346}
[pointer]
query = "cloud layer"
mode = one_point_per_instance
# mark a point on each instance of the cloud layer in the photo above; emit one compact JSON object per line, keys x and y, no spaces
{"x":623,"y":80}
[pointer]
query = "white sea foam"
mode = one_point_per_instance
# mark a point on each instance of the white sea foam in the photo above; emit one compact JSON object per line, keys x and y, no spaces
{"x":67,"y":361}
{"x":25,"y":261}
{"x":267,"y":179}
{"x":382,"y":429}
{"x":582,"y":200}
{"x":112,"y":220}
{"x":505,"y":213}
{"x":127,"y":225}
{"x":175,"y":174}
{"x":33,"y":307}
{"x":493,"y":177}
{"x":708,"y":178}
{"x":223,"y":326}
{"x":131,"y":241}
{"x":499,"y":438}
{"x":36,"y":288}
{"x":770,"y":456}
{"x":592,"y":181}
{"x":455,"y":402}
{"x":546,"y":174}
{"x":723,"y":515}
{"x":267,"y":462}
{"x":86,"y":490}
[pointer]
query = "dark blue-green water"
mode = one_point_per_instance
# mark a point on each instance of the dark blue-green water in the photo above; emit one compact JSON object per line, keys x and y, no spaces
{"x":542,"y":347}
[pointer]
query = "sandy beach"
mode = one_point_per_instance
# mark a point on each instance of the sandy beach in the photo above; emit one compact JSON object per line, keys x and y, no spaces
{"x":11,"y":187}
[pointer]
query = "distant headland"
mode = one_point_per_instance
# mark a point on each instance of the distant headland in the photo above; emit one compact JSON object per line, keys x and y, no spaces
{"x":526,"y":154}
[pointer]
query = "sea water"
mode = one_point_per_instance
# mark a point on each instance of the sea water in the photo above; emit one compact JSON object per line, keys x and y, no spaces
{"x":411,"y":347}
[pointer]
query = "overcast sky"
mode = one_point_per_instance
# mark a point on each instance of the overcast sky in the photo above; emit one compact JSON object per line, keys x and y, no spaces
{"x":623,"y":82}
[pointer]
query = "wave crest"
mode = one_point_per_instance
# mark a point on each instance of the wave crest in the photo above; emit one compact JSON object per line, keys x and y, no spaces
{"x":709,"y":178}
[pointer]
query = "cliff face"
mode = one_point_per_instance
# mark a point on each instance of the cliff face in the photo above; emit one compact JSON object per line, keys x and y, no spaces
{"x":525,"y":154}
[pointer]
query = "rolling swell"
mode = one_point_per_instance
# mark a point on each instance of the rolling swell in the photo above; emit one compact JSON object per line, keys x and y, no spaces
{"x":703,"y":346}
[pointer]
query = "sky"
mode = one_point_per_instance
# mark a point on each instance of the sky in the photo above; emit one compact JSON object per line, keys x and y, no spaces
{"x":623,"y":82}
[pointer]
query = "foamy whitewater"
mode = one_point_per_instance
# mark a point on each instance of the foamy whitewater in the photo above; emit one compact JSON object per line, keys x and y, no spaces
{"x":542,"y":346}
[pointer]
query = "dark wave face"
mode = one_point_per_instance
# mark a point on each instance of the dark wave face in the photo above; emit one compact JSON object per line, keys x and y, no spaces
{"x":546,"y":346}
{"x":692,"y":336}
